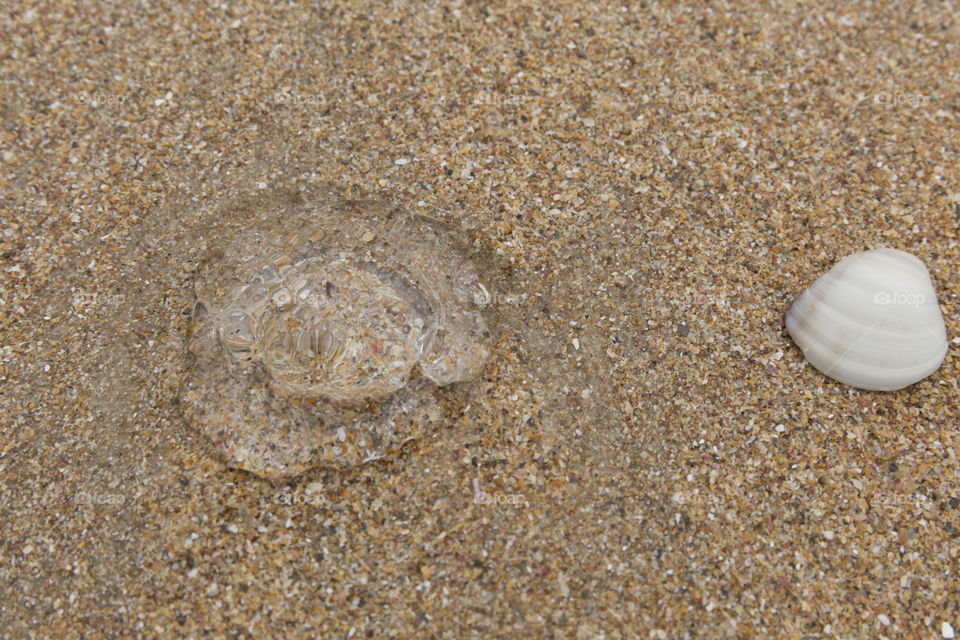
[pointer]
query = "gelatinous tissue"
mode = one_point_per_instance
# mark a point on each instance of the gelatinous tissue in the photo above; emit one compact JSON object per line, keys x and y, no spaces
{"x":321,"y":332}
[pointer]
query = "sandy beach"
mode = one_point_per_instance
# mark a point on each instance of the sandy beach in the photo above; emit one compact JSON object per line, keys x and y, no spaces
{"x":647,"y":187}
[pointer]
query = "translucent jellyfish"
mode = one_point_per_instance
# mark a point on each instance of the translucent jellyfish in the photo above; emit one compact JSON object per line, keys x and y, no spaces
{"x":322,"y":330}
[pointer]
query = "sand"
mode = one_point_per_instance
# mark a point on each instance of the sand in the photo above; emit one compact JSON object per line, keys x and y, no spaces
{"x":647,"y":454}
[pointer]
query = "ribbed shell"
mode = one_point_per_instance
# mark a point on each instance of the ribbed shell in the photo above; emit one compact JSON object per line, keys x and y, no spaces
{"x":872,"y":321}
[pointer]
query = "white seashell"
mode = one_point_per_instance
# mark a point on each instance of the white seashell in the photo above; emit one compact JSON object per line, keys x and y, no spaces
{"x":872,"y":321}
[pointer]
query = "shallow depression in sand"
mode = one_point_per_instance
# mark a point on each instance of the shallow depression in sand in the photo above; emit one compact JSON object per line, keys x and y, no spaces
{"x":322,"y":330}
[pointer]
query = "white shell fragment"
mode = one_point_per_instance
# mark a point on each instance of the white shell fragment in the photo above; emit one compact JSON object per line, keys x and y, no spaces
{"x":872,"y":321}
